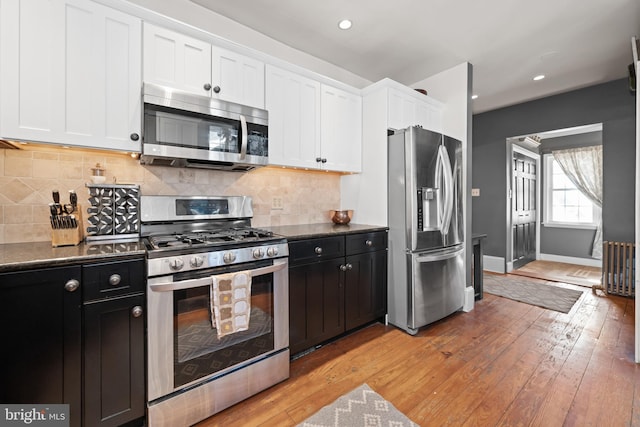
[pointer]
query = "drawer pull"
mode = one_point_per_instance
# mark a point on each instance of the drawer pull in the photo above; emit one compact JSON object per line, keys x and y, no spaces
{"x":136,"y":311}
{"x":72,"y":285}
{"x":318,"y":250}
{"x":369,"y":243}
{"x":114,"y":279}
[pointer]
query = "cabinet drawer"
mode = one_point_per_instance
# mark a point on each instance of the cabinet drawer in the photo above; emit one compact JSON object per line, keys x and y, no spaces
{"x":302,"y":251}
{"x":366,"y":242}
{"x":110,"y":279}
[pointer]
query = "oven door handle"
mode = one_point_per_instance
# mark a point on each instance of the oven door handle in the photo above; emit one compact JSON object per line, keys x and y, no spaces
{"x":206,"y":281}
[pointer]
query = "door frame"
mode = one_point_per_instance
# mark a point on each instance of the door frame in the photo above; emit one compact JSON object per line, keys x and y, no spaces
{"x":514,"y":146}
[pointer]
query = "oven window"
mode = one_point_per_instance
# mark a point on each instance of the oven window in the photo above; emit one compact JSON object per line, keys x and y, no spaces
{"x":198,"y":350}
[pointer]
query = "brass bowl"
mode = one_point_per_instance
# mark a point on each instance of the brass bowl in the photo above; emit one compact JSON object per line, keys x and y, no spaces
{"x":341,"y":217}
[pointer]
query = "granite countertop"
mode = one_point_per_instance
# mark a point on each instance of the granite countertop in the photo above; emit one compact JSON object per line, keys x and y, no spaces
{"x":24,"y":256}
{"x":308,"y":231}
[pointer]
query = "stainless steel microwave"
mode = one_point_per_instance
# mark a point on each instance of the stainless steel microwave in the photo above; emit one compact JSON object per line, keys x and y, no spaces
{"x":186,"y":130}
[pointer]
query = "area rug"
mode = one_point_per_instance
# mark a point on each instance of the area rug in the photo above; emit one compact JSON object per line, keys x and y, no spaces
{"x":361,"y":407}
{"x":535,"y":293}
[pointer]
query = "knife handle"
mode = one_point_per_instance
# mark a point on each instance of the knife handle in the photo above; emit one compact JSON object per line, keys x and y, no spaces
{"x":56,"y":196}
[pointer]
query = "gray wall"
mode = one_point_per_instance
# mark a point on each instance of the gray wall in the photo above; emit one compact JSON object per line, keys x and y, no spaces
{"x":610,"y":104}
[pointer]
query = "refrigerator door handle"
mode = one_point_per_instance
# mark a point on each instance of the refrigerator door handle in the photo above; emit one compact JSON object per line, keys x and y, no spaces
{"x":440,"y":255}
{"x":446,"y":175}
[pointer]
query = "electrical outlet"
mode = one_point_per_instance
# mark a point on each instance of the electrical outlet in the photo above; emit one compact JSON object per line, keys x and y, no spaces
{"x":276,"y":203}
{"x":475,"y":192}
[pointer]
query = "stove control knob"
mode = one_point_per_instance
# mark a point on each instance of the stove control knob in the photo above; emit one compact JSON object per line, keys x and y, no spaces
{"x":196,"y":261}
{"x":229,"y":257}
{"x":258,"y":253}
{"x":176,"y":264}
{"x":272,"y":251}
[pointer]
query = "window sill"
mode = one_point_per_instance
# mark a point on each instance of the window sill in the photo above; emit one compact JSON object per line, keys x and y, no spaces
{"x":569,"y":225}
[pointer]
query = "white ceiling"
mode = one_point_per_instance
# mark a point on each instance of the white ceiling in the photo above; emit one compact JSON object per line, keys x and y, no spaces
{"x":575,"y":43}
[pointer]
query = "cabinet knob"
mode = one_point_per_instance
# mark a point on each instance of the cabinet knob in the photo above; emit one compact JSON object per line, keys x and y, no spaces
{"x":134,"y":136}
{"x":216,"y":89}
{"x":369,"y":243}
{"x":349,"y":266}
{"x":343,"y":267}
{"x":324,"y":160}
{"x":318,"y":159}
{"x":136,"y":311}
{"x":318,"y":250}
{"x":115,"y":279}
{"x":72,"y":285}
{"x":207,"y":86}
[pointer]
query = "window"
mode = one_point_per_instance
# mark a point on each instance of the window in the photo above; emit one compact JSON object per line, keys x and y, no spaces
{"x":565,"y":205}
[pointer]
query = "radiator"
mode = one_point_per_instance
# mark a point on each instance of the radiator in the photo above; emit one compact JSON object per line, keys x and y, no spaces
{"x":618,"y":268}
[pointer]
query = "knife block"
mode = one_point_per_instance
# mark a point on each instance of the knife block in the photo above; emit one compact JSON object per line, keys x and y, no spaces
{"x":69,"y":236}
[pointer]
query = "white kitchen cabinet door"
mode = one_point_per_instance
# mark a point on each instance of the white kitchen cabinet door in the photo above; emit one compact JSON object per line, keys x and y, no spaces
{"x":176,"y":60}
{"x":402,"y":110}
{"x":341,"y":130}
{"x":237,"y":78}
{"x":79,"y":85}
{"x":406,"y":110}
{"x":293,"y":102}
{"x":27,"y":69}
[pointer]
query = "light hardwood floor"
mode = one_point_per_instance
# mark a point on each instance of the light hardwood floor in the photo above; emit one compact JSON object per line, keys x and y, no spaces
{"x":504,"y":363}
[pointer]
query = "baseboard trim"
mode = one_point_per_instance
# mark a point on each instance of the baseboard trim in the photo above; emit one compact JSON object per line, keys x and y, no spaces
{"x":590,"y":262}
{"x":494,"y":264}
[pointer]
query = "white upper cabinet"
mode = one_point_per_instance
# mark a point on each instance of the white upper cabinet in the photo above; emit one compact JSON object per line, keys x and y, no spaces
{"x":237,"y":78}
{"x":185,"y":63}
{"x":341,"y":130}
{"x":175,"y":60}
{"x":70,"y":73}
{"x":410,"y":110}
{"x":293,"y":102}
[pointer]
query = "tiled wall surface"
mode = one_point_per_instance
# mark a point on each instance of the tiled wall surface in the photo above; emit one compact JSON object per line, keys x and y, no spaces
{"x":28,"y":176}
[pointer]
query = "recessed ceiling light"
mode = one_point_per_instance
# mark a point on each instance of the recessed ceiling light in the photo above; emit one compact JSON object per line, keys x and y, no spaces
{"x":474,"y":96}
{"x":345,"y":24}
{"x":539,"y":77}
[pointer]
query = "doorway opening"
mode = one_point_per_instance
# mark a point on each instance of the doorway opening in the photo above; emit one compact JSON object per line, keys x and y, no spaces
{"x":549,"y":218}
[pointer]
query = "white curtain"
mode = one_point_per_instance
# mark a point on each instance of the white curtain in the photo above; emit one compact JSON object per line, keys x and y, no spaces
{"x":583,"y":166}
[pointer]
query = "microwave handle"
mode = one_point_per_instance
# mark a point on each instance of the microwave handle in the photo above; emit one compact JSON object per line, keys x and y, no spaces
{"x":206,"y":281}
{"x":245,"y":137}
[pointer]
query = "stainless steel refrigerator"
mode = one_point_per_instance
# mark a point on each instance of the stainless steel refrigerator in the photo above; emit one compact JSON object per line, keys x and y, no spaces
{"x":426,"y":234}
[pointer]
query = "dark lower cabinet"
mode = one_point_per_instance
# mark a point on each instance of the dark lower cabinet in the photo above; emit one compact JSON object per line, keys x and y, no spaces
{"x":41,"y":357}
{"x":336,"y":284}
{"x":365,"y":288}
{"x":114,"y":337}
{"x":75,"y":335}
{"x":316,"y":301}
{"x":114,"y":361}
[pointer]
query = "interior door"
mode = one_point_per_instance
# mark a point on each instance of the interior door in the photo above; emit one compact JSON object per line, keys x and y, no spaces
{"x":523,"y":209}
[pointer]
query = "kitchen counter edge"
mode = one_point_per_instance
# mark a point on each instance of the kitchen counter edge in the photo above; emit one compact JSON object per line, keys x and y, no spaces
{"x":311,"y":231}
{"x":34,"y":255}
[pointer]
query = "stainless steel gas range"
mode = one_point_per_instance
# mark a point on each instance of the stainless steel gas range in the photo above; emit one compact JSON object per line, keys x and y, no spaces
{"x":217,"y":316}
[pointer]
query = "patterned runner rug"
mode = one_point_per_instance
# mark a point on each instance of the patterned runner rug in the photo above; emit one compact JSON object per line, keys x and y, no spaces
{"x":531,"y":292}
{"x":360,"y":407}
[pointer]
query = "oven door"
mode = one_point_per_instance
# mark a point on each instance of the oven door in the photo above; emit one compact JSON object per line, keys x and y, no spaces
{"x":183,"y":345}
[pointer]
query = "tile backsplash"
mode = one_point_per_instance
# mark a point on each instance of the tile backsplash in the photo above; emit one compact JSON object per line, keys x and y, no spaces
{"x":28,"y":176}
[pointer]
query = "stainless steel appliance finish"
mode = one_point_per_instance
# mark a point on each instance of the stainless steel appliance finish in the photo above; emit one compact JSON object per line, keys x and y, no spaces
{"x":192,"y":372}
{"x":186,"y":130}
{"x":426,"y":236}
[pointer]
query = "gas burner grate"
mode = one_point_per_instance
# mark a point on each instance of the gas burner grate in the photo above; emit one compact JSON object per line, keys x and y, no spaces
{"x":211,"y":238}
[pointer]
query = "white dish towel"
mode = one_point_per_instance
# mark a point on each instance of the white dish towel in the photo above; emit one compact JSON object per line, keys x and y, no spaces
{"x":231,"y":302}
